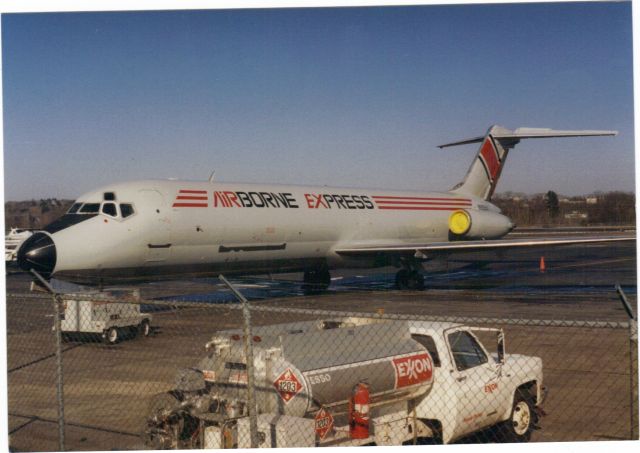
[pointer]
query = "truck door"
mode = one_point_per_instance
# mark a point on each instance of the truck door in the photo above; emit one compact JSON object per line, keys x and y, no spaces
{"x":158,"y":226}
{"x":476,"y":381}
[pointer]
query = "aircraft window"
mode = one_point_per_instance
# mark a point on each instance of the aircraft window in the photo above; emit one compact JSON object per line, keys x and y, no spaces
{"x":109,"y":196}
{"x":126,"y":210}
{"x":74,"y":208}
{"x":110,"y":209}
{"x":90,"y":208}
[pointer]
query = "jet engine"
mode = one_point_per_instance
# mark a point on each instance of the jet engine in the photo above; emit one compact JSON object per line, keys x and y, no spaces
{"x":478,"y":224}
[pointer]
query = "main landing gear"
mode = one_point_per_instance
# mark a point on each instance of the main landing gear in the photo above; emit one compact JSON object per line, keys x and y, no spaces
{"x":316,"y":280}
{"x":410,"y":277}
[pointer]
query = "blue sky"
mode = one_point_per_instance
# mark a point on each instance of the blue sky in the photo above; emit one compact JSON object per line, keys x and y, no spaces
{"x":338,"y":96}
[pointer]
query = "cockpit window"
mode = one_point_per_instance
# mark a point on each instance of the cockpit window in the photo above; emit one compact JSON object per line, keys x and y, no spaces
{"x":110,"y":209}
{"x":126,"y":210}
{"x":109,"y":196}
{"x":90,"y":208}
{"x":74,"y":208}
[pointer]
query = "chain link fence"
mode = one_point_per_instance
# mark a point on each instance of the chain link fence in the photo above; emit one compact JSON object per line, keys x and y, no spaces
{"x":123,"y":373}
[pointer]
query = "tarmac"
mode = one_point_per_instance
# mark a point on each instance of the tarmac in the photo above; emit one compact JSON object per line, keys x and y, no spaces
{"x":107,"y":388}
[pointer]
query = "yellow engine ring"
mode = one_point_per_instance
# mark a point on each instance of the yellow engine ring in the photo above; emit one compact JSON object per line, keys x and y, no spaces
{"x":459,"y":222}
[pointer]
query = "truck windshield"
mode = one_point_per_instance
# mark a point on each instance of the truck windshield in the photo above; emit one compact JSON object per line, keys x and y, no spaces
{"x":467,"y":352}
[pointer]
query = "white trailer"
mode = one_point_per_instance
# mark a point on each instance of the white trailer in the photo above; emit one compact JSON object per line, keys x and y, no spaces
{"x":112,"y":321}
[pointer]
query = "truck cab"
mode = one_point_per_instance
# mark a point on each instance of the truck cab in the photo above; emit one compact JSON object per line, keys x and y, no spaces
{"x":474,"y":389}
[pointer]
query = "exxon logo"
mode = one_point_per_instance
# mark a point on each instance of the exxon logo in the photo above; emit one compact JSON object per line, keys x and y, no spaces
{"x":412,"y":370}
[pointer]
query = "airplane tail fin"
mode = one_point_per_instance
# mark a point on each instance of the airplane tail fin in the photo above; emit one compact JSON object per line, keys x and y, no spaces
{"x":482,"y":177}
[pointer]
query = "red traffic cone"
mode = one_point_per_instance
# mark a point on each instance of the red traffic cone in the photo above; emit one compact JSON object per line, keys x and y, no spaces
{"x":543,"y":267}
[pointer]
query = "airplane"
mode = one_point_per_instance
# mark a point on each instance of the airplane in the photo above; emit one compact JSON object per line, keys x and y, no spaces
{"x":169,"y":229}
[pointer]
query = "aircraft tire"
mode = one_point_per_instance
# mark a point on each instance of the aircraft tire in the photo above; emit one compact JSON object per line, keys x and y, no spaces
{"x":316,"y":280}
{"x":416,"y":281}
{"x":407,"y":279}
{"x":402,"y":279}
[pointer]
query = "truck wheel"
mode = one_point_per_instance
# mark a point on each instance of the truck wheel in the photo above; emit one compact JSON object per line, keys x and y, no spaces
{"x":519,"y":426}
{"x":144,"y":329}
{"x":111,"y":335}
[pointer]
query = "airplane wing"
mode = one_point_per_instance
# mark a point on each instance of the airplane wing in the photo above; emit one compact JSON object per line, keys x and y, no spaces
{"x":355,"y":250}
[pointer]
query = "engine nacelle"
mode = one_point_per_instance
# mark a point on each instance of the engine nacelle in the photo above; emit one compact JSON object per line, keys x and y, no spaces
{"x":478,"y":224}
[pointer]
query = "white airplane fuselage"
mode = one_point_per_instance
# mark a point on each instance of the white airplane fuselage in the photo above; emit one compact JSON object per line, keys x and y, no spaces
{"x":184,"y":228}
{"x":157,"y":230}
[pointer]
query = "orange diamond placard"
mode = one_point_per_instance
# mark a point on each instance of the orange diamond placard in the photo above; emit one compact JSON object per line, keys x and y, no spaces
{"x":324,"y":423}
{"x":287,"y":385}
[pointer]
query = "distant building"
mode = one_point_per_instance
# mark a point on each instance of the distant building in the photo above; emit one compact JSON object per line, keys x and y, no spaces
{"x":576,"y":215}
{"x":592,"y":200}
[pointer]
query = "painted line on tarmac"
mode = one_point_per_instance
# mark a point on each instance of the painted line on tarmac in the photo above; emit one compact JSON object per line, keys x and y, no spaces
{"x":591,"y":263}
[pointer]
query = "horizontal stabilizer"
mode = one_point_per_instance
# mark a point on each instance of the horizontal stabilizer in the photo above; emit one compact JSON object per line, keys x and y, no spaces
{"x":482,"y":177}
{"x":530,"y":132}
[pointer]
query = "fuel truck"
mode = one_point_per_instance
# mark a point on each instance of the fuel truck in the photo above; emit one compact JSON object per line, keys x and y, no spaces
{"x":348,"y":381}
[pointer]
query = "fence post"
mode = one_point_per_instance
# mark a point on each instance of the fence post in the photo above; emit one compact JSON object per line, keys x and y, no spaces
{"x":57,"y":303}
{"x":57,"y":331}
{"x":633,"y":376}
{"x":248,"y":353}
{"x":633,"y":359}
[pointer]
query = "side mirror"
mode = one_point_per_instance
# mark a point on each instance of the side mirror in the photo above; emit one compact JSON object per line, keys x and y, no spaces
{"x":501,"y":346}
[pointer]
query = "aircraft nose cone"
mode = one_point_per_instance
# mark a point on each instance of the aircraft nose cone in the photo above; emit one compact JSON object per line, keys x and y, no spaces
{"x":38,"y":252}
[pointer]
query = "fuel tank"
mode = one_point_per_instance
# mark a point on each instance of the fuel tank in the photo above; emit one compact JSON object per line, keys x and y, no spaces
{"x":304,"y":366}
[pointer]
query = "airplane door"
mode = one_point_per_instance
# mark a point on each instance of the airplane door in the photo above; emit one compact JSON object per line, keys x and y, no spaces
{"x":158,"y":225}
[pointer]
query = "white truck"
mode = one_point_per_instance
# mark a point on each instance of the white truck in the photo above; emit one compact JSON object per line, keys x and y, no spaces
{"x":427,"y":380}
{"x":108,"y":320}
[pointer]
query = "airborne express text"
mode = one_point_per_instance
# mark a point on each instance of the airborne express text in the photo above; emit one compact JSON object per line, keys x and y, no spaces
{"x":230,"y":199}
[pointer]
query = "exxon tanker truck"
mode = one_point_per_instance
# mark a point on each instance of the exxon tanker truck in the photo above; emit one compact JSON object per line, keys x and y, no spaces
{"x":350,"y":381}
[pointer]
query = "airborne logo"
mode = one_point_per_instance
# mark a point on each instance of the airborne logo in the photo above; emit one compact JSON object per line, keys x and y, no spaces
{"x":239,"y":199}
{"x":229,"y":199}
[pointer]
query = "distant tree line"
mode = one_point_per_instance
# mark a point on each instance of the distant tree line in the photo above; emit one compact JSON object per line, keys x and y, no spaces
{"x":608,"y":208}
{"x":33,"y":214}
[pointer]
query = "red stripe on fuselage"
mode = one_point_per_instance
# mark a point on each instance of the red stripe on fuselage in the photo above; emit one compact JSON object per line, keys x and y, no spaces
{"x":490,"y":158}
{"x":190,"y":197}
{"x":425,"y":203}
{"x":384,"y":197}
{"x":190,"y":205}
{"x":193,"y":191}
{"x":420,"y":208}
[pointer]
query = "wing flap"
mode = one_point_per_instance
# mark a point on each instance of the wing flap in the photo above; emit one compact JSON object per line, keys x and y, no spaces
{"x":472,"y":246}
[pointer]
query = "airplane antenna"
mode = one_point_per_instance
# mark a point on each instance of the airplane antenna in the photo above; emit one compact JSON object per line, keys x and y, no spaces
{"x":211,"y":176}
